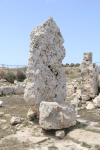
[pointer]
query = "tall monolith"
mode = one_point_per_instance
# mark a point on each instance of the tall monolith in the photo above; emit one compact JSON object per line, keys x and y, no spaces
{"x":46,"y":79}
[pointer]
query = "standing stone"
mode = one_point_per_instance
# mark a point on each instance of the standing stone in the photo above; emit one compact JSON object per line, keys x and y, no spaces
{"x":46,"y":79}
{"x":89,"y":73}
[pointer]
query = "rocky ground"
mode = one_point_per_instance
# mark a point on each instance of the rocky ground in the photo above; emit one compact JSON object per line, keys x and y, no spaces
{"x":28,"y":135}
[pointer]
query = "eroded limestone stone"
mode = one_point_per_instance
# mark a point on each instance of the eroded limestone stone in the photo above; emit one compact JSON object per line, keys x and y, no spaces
{"x":56,"y":116}
{"x":89,"y":74}
{"x":46,"y":79}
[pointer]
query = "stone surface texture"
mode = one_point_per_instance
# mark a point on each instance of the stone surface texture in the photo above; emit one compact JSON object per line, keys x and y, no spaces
{"x":89,"y":74}
{"x":46,"y":79}
{"x":56,"y":116}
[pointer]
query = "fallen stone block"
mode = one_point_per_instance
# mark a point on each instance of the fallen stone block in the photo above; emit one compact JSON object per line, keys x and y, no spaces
{"x":56,"y":116}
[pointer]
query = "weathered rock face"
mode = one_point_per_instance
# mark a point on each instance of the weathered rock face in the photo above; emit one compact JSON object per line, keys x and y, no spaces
{"x":89,"y":73}
{"x":46,"y":79}
{"x":56,"y":116}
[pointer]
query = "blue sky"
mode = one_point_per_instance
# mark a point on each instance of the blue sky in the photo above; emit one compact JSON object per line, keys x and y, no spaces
{"x":78,"y":20}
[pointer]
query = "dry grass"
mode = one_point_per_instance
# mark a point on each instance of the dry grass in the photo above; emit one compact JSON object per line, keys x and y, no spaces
{"x":72,"y":73}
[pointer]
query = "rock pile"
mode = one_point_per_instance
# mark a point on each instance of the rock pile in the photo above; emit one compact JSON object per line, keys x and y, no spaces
{"x":46,"y":79}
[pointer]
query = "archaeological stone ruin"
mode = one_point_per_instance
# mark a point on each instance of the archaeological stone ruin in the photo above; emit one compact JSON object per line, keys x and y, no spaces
{"x":46,"y":79}
{"x":89,"y":74}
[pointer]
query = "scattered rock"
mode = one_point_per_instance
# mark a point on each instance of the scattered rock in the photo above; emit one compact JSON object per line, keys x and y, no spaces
{"x":96,"y":101}
{"x":15,"y":120}
{"x":2,"y":80}
{"x":4,"y":127}
{"x":7,"y":115}
{"x":90,"y":106}
{"x":31,"y":113}
{"x":60,"y":134}
{"x":3,"y":120}
{"x":1,"y":104}
{"x":56,"y":116}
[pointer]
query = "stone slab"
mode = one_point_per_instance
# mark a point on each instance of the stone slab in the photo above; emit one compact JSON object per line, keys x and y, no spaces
{"x":37,"y":139}
{"x":89,"y":137}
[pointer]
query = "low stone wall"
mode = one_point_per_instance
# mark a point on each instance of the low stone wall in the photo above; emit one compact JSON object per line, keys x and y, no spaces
{"x":17,"y":88}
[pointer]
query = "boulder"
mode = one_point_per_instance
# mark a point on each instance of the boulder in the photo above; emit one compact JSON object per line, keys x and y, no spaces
{"x":15,"y":120}
{"x":7,"y":90}
{"x":60,"y":134}
{"x":90,"y":106}
{"x":46,"y":81}
{"x":56,"y":116}
{"x":96,"y":101}
{"x":18,"y":88}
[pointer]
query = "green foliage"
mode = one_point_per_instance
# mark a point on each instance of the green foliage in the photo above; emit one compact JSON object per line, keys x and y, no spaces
{"x":52,"y":147}
{"x":77,"y":65}
{"x":67,"y":65}
{"x":2,"y":74}
{"x":10,"y":77}
{"x":21,"y":75}
{"x":86,"y":145}
{"x":71,"y":65}
{"x":31,"y":118}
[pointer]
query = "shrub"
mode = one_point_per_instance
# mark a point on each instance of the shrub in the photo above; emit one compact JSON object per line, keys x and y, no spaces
{"x":71,"y":65}
{"x":2,"y":75}
{"x":10,"y":77}
{"x":21,"y":75}
{"x":77,"y":65}
{"x":67,"y":65}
